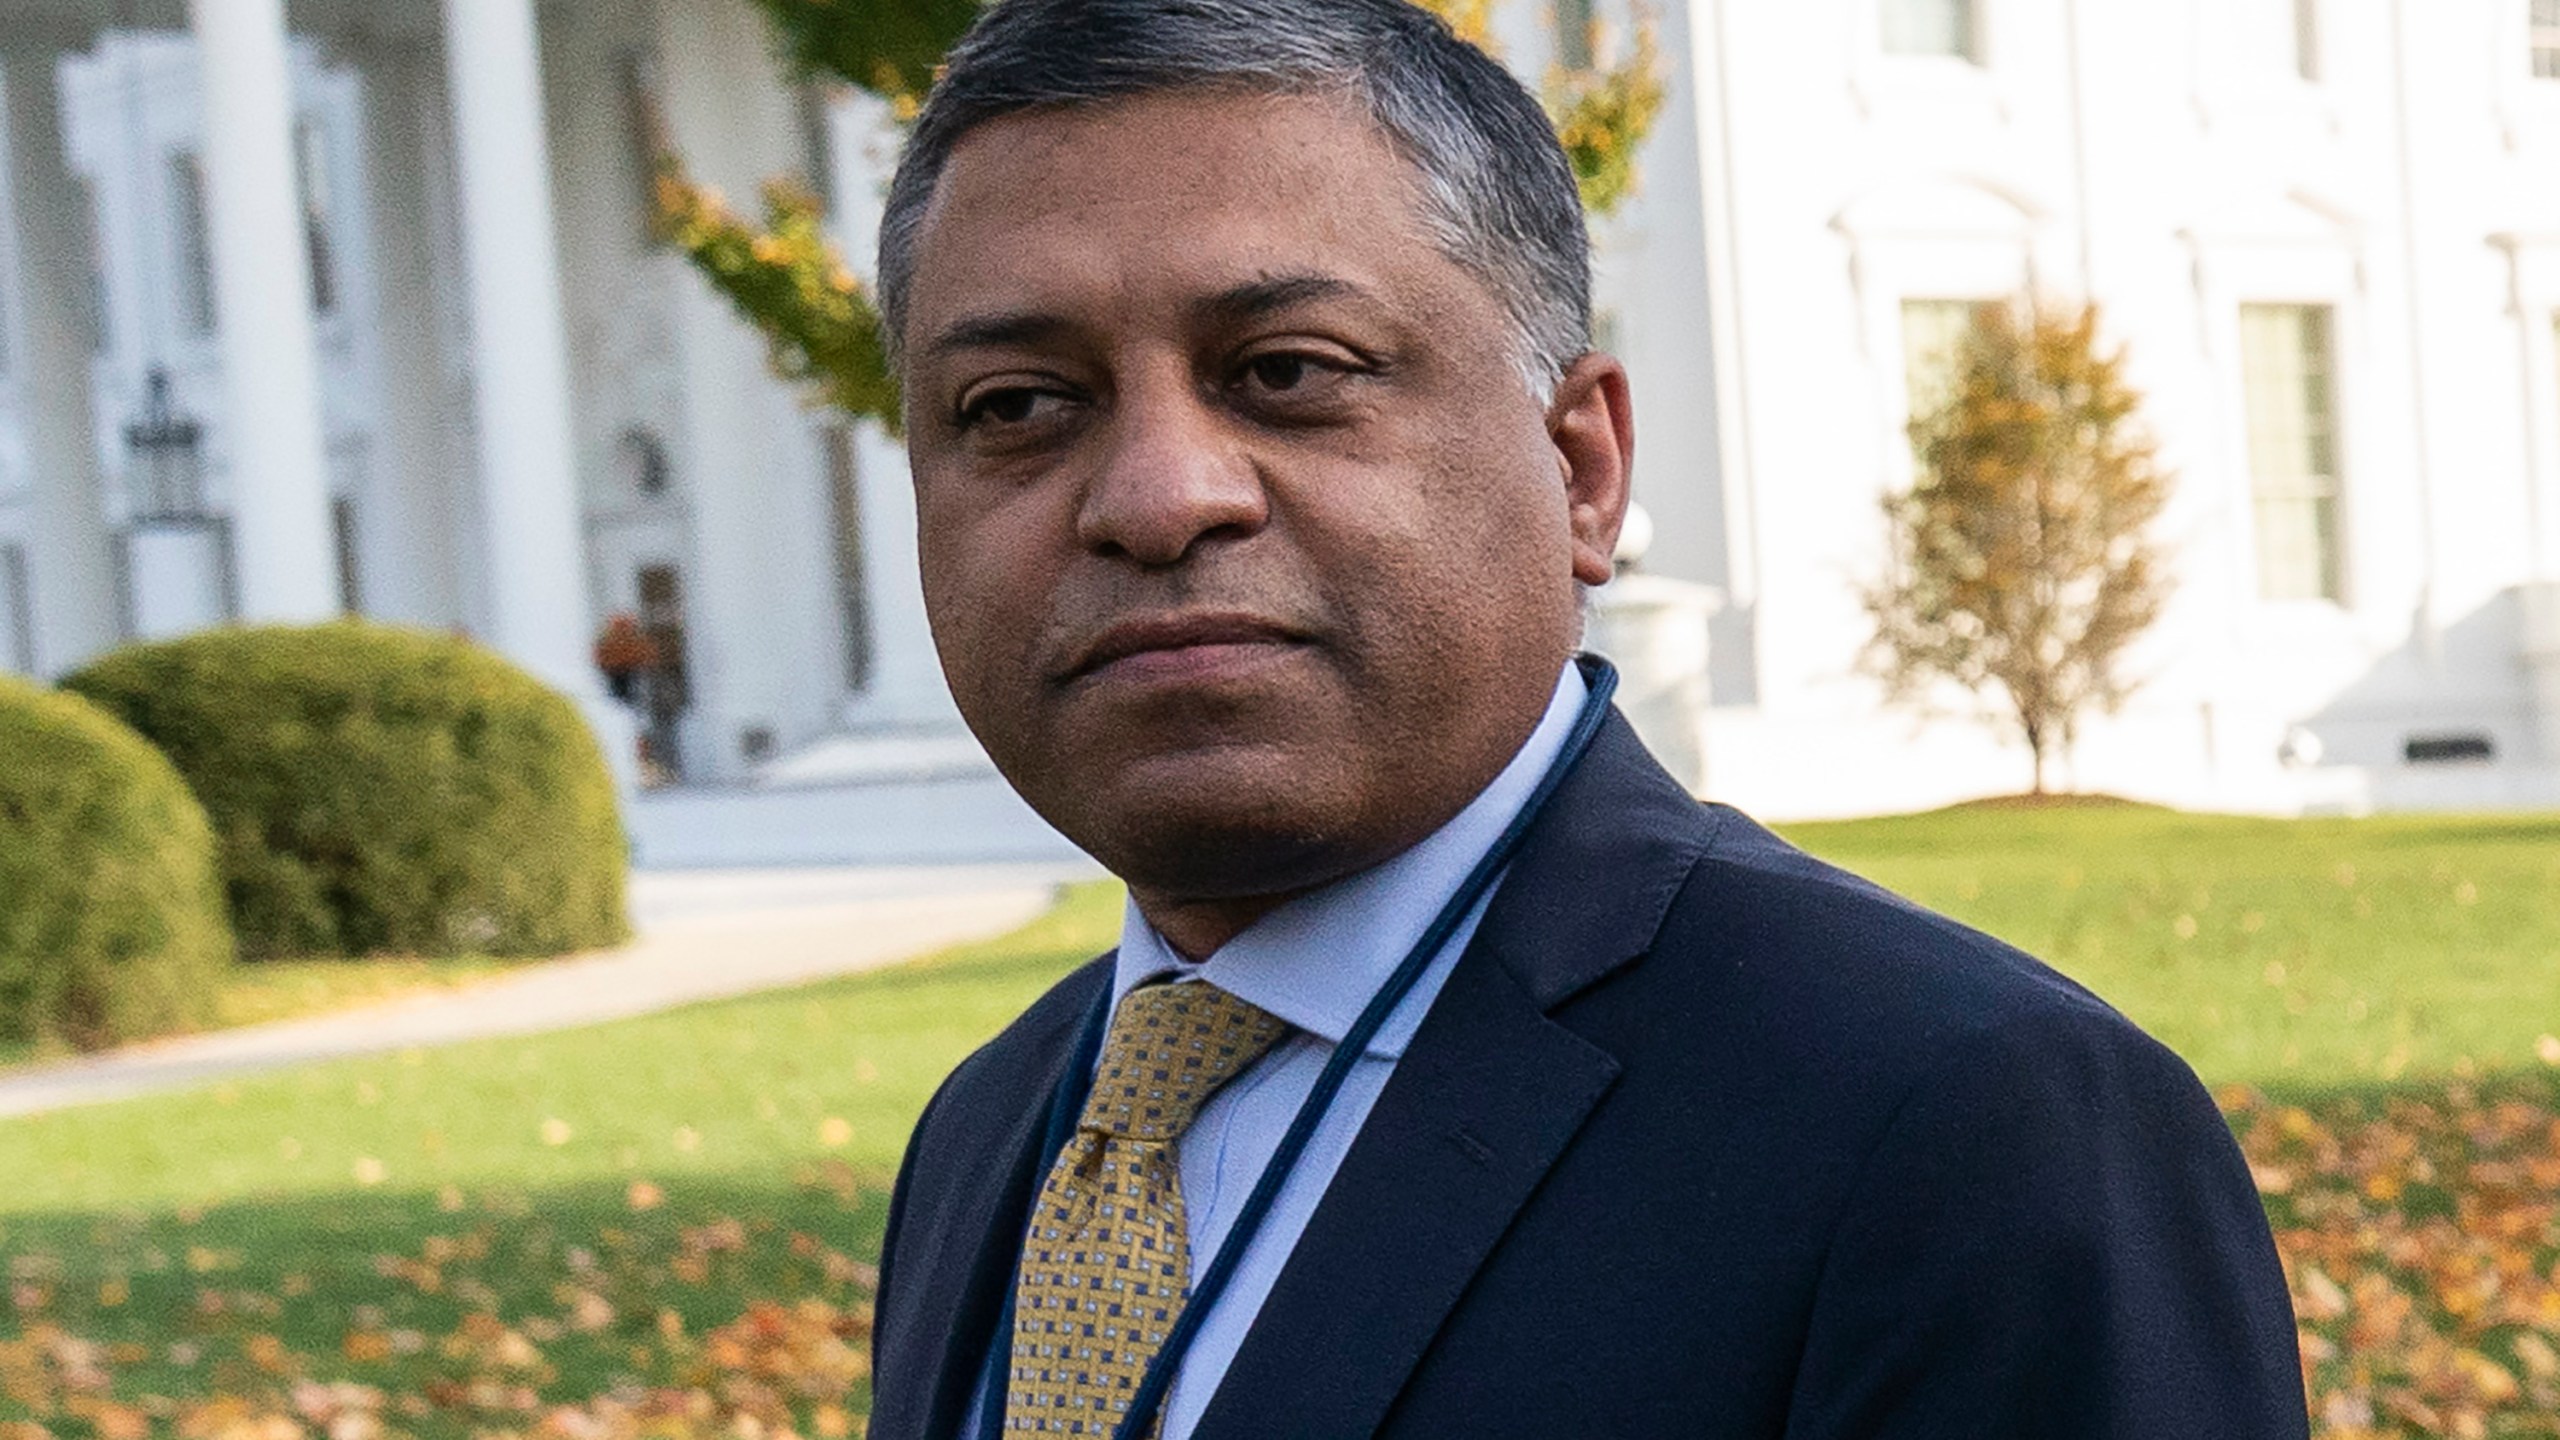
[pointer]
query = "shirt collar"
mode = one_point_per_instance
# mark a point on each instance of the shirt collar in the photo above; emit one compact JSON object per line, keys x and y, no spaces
{"x":1316,"y":960}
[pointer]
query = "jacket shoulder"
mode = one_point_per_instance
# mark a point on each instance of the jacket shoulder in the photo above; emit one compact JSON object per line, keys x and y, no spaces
{"x":2026,"y":1213}
{"x":1842,"y":1010}
{"x":1887,"y":976}
{"x":2032,"y":1217}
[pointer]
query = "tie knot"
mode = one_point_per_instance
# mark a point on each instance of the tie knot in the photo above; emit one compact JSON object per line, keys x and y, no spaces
{"x":1169,"y":1049}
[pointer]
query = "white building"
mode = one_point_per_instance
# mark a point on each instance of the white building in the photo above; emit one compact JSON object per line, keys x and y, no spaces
{"x":2329,"y":232}
{"x":393,"y":262}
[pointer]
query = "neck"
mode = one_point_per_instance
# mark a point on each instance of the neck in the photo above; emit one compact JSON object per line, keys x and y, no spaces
{"x":1195,"y":929}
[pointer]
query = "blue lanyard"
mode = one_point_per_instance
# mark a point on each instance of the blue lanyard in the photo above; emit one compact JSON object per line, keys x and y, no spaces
{"x":1066,"y":1106}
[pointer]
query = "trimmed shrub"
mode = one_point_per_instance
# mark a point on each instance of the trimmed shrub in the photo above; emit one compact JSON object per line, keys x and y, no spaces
{"x":377,"y":790}
{"x":111,"y":923}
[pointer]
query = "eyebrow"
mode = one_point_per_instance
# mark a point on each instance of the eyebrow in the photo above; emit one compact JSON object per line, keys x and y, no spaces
{"x":1248,"y":301}
{"x":1012,"y":327}
{"x":1257,"y":298}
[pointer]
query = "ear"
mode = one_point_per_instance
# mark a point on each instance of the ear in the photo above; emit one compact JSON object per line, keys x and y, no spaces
{"x":1593,"y":427}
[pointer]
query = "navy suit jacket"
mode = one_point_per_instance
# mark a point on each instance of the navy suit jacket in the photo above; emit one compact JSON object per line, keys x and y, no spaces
{"x":1703,"y":1138}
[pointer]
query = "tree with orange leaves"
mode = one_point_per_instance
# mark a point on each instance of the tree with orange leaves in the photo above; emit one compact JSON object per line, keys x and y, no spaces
{"x":2023,"y":559}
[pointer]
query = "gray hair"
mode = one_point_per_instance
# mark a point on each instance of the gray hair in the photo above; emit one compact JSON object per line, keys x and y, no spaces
{"x":1498,"y":193}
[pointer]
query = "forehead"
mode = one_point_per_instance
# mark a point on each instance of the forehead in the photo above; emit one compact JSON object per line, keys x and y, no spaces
{"x":1165,"y":196}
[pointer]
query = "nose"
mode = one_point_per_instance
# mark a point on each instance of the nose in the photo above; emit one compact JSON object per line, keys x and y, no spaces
{"x":1170,"y":477}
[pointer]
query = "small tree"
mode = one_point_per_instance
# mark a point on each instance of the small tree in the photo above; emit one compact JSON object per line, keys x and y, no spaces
{"x":821,"y":323}
{"x":2022,"y":556}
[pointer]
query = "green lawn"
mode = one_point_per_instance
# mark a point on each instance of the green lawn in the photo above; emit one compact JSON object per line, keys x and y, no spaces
{"x":463,"y":1239}
{"x":472,"y":1234}
{"x":2272,"y":952}
{"x":737,"y":1088}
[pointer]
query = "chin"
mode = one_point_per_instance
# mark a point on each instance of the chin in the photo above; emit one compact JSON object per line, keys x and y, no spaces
{"x":1211,"y":831}
{"x":1229,"y":863}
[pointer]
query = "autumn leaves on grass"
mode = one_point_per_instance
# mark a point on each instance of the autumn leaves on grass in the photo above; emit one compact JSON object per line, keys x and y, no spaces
{"x":504,"y":1324}
{"x":2419,"y":1234}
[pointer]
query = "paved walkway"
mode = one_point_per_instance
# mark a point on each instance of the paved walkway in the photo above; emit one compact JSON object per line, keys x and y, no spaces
{"x":703,"y":935}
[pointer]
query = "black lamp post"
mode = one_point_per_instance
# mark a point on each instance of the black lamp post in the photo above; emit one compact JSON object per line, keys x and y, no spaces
{"x":169,"y":448}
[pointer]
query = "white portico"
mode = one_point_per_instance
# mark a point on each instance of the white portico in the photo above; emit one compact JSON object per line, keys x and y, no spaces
{"x":345,"y":306}
{"x":191,"y":210}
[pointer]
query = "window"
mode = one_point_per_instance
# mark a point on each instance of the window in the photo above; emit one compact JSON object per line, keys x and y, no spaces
{"x":344,"y":535}
{"x":1933,"y":334}
{"x":17,"y":618}
{"x":2544,"y":36}
{"x":312,"y":190}
{"x":1573,"y":34}
{"x":644,"y":136}
{"x":2288,"y":378}
{"x":5,"y":277}
{"x":85,"y":214}
{"x":853,"y":584}
{"x":195,"y":247}
{"x":1931,"y":27}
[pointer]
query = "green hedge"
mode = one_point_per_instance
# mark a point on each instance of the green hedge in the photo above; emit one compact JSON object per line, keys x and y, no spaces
{"x":377,"y":790}
{"x":111,"y":924}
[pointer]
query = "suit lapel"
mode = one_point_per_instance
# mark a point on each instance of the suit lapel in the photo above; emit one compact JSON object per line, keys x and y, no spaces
{"x":1487,"y":1097}
{"x":1484,"y":1100}
{"x":983,"y":1218}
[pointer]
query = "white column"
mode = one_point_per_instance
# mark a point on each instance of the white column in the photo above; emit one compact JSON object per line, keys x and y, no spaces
{"x":416,"y":501}
{"x":71,"y":554}
{"x":279,"y":485}
{"x":519,"y":347}
{"x":906,"y":686}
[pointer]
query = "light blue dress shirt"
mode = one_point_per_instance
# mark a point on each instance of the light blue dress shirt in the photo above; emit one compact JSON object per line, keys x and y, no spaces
{"x":1314,"y":962}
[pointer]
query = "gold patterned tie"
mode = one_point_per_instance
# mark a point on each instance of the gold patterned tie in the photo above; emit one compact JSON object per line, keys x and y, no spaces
{"x":1107,"y":1263}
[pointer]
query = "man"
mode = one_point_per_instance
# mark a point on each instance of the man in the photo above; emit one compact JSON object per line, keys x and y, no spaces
{"x":1261,"y":460}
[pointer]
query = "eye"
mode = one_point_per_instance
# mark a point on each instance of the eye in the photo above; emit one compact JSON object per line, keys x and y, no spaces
{"x":1007,"y":405}
{"x":1280,"y":372}
{"x":1296,"y":377}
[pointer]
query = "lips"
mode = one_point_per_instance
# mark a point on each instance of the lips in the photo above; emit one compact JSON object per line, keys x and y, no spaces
{"x":1167,"y":637}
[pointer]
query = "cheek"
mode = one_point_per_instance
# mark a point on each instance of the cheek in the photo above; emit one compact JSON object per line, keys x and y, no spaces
{"x":1504,"y":550}
{"x":984,"y":570}
{"x":1451,"y":569}
{"x":1497,"y":520}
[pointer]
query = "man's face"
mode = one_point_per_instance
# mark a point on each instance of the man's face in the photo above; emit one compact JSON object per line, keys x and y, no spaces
{"x":1249,"y":556}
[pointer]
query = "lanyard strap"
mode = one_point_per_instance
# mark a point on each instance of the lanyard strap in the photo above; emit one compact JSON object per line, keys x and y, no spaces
{"x":1067,"y":1105}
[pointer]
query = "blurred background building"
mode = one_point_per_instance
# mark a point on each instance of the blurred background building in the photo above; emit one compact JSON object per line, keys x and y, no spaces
{"x":353,"y":306}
